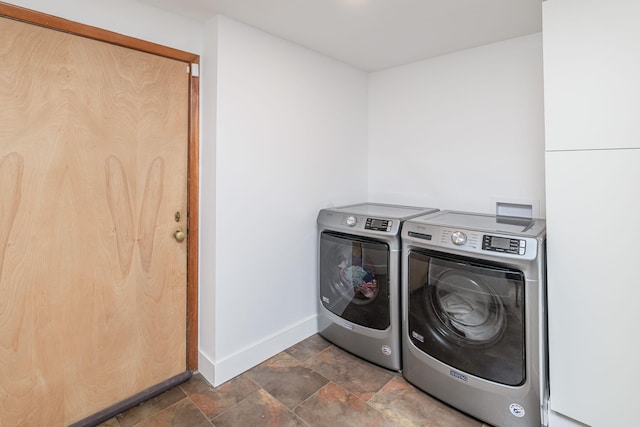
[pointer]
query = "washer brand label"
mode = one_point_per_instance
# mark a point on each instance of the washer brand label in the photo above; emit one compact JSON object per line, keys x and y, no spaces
{"x":516,"y":410}
{"x":348,"y":325}
{"x":386,"y":350}
{"x":458,"y":375}
{"x":417,"y":336}
{"x":325,"y":300}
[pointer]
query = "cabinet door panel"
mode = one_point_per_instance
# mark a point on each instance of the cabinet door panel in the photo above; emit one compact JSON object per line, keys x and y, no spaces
{"x":591,"y":68}
{"x":593,"y":228}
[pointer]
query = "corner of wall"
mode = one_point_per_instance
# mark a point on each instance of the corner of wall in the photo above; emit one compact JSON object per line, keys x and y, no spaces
{"x":207,"y":229}
{"x":206,"y":367}
{"x":250,"y":356}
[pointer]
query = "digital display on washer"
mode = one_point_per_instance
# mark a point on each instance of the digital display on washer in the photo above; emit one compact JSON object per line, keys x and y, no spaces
{"x":377,"y":224}
{"x":503,"y":244}
{"x":500,"y":242}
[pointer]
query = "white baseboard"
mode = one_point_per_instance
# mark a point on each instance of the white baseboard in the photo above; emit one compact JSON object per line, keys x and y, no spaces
{"x":206,"y":367}
{"x":221,"y":371}
{"x":556,"y":419}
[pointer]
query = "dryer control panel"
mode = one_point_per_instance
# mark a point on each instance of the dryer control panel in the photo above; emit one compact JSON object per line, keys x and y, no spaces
{"x":378,"y":224}
{"x":358,"y":222}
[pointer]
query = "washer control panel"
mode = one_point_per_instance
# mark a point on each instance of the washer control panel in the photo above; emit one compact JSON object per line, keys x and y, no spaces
{"x":504,"y":244}
{"x":472,"y":241}
{"x":378,"y":224}
{"x":459,"y":238}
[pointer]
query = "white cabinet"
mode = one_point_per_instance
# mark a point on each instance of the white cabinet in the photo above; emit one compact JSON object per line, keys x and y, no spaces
{"x":591,"y":73}
{"x":593,"y":228}
{"x":592,"y":131}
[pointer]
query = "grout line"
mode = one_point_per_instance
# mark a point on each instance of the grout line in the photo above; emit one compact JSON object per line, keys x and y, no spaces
{"x":161,"y":411}
{"x":196,"y":405}
{"x":314,"y":393}
{"x":236,"y":404}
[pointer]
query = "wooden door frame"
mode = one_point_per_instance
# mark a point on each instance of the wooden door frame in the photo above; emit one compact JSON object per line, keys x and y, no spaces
{"x":75,"y":28}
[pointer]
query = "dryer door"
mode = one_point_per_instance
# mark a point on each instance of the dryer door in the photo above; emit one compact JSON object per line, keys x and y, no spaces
{"x":354,"y":281}
{"x":468,"y":315}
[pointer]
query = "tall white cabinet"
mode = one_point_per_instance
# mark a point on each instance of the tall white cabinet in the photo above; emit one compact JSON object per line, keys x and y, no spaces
{"x":592,"y":121}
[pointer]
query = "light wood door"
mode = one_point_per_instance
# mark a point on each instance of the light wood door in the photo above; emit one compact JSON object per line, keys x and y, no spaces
{"x":93,"y":167}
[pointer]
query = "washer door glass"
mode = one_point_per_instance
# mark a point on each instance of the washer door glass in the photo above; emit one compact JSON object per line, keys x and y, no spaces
{"x":468,"y":315}
{"x":354,"y":279}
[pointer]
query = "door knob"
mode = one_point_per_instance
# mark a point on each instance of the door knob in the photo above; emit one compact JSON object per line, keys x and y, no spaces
{"x":179,"y":235}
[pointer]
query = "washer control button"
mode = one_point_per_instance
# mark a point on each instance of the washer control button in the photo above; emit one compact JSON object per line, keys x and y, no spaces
{"x":351,"y":221}
{"x":458,"y":238}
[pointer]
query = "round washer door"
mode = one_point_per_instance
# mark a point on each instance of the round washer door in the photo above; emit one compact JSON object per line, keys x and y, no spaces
{"x":465,"y":309}
{"x":468,"y":314}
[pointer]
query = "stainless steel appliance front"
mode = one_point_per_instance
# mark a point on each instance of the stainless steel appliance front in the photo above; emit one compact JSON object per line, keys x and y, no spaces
{"x":474,"y":314}
{"x":359,"y":279}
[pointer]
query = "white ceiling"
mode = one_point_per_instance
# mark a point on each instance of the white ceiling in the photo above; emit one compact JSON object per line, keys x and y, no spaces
{"x":376,"y":34}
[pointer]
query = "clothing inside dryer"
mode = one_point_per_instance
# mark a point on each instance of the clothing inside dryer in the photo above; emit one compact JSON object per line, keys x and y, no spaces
{"x":354,"y":280}
{"x":357,"y":275}
{"x":468,"y":315}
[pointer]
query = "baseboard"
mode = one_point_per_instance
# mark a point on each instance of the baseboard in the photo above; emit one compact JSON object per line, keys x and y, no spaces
{"x":221,"y":371}
{"x":557,"y":419}
{"x":206,"y":367}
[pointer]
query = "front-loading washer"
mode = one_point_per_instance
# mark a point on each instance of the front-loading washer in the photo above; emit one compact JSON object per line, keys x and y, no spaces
{"x":359,"y":279}
{"x":474,"y":314}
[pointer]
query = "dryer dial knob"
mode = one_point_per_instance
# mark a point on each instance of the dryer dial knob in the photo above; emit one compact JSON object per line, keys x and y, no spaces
{"x":458,"y":238}
{"x":351,"y":221}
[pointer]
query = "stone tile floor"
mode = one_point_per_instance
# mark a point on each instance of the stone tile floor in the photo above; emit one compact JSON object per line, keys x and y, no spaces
{"x":313,"y":383}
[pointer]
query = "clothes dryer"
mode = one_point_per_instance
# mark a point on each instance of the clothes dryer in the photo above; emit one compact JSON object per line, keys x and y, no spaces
{"x":474,"y":314}
{"x":359,"y":279}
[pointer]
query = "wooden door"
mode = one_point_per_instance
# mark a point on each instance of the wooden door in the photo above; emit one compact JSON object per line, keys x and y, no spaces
{"x":93,"y":167}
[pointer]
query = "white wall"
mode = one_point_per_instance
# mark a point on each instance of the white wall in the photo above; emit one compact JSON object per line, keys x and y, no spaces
{"x":461,"y":130}
{"x":291,"y":138}
{"x":207,"y":248}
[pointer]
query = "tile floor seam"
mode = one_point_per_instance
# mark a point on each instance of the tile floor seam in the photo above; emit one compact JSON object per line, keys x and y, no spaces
{"x":158,"y":413}
{"x":312,"y":394}
{"x":366,"y":403}
{"x":392,"y":373}
{"x":308,"y":398}
{"x":381,"y":388}
{"x":198,"y":407}
{"x":291,"y":410}
{"x":298,"y":417}
{"x":383,"y":415}
{"x":321,"y":351}
{"x":212,"y":420}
